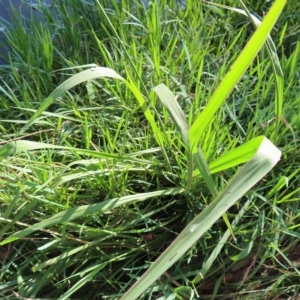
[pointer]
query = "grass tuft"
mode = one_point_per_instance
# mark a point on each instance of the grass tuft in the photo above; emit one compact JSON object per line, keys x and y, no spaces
{"x":124,"y":139}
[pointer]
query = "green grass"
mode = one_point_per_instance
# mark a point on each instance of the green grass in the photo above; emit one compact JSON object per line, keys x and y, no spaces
{"x":114,"y":183}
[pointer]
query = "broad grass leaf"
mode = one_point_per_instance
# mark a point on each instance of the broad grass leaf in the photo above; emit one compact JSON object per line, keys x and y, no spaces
{"x":214,"y":254}
{"x":235,"y":157}
{"x":177,"y":115}
{"x":90,"y":74}
{"x":261,"y":163}
{"x":169,"y":101}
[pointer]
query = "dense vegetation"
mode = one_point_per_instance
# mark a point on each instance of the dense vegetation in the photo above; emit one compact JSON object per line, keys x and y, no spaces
{"x":100,"y":151}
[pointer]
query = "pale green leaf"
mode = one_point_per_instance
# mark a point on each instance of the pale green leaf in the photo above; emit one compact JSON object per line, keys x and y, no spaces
{"x":263,"y":161}
{"x":90,"y":74}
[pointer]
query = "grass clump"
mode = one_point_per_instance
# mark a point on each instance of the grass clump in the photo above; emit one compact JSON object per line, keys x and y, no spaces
{"x":100,"y":176}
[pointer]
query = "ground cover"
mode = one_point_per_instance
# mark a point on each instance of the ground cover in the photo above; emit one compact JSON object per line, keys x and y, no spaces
{"x":107,"y":139}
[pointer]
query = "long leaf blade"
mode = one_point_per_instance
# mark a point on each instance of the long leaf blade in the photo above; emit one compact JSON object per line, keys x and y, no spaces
{"x":84,"y":210}
{"x":13,"y":148}
{"x":263,"y":161}
{"x":179,"y":119}
{"x":90,"y":74}
{"x":236,"y":72}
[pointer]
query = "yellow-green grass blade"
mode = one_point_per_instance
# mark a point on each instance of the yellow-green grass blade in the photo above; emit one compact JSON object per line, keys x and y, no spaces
{"x":235,"y":157}
{"x":90,"y":74}
{"x":270,"y":46}
{"x":235,"y":73}
{"x":257,"y":22}
{"x":85,"y":210}
{"x":261,"y":163}
{"x":145,"y":108}
{"x":275,"y":63}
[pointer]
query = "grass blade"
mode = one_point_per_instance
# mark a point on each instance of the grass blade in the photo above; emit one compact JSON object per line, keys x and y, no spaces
{"x":90,"y":74}
{"x":236,"y":72}
{"x":13,"y":148}
{"x":178,"y":117}
{"x":84,"y":210}
{"x":263,"y":161}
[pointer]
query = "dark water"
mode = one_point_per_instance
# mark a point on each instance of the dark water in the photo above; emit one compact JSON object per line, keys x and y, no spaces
{"x":26,"y":8}
{"x":29,"y":8}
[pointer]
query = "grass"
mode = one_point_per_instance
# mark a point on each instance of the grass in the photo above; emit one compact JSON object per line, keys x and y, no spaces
{"x":113,"y":184}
